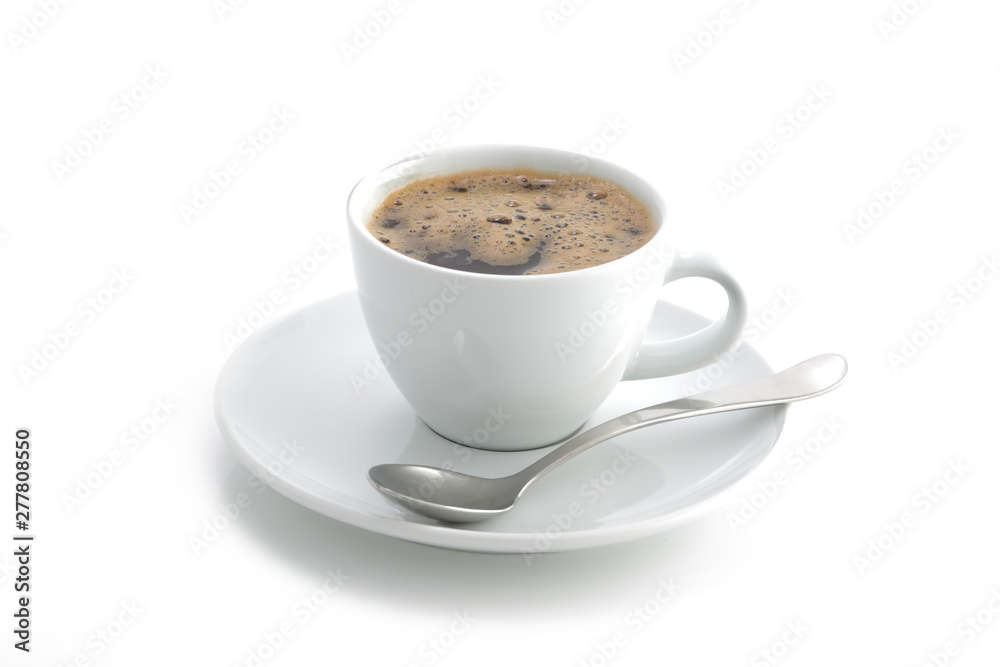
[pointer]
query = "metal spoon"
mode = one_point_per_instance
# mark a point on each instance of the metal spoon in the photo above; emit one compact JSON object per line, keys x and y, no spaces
{"x":459,"y":498}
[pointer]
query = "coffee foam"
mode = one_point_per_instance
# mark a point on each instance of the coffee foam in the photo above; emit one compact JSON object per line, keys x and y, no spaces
{"x":512,"y":222}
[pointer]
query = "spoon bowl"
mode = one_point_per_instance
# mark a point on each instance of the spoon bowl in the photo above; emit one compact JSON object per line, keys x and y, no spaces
{"x":445,"y":494}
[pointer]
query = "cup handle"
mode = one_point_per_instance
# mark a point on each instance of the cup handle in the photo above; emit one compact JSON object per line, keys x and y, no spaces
{"x":670,"y":357}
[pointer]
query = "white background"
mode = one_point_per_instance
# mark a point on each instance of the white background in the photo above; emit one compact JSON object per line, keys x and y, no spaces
{"x":607,"y":79}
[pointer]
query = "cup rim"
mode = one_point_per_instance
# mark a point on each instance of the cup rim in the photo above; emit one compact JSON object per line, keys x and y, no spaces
{"x":659,"y":215}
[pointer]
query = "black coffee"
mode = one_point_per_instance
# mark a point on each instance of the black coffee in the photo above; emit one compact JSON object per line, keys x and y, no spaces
{"x":512,"y":222}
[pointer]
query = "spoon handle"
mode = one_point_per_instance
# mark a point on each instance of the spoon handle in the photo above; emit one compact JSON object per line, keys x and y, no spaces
{"x":806,"y":379}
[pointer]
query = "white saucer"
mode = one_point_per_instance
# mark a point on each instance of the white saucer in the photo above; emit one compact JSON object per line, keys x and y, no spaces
{"x":286,"y":403}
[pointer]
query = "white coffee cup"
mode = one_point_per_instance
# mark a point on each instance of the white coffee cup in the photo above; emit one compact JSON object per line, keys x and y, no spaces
{"x":517,"y":362}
